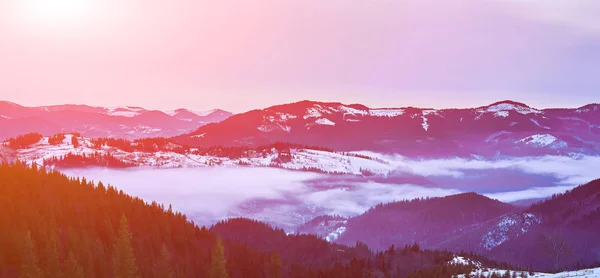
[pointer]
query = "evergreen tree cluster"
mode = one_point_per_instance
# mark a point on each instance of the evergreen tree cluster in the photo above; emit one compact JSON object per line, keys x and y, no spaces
{"x":56,"y":139}
{"x":55,"y":226}
{"x":24,"y":141}
{"x":96,"y":159}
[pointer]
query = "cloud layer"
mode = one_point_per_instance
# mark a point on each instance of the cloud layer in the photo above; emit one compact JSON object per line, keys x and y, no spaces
{"x":289,"y":198}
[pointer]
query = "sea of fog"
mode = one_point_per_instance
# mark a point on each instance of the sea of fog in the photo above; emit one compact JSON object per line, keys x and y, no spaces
{"x":290,"y":198}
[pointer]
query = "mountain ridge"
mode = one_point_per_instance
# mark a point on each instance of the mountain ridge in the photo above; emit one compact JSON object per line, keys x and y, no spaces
{"x":502,"y":128}
{"x":130,"y":122}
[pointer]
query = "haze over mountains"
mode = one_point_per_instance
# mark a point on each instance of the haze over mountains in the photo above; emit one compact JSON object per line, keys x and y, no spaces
{"x":119,"y":122}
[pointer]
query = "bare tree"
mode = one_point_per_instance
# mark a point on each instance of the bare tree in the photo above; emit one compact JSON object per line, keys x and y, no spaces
{"x":556,"y":248}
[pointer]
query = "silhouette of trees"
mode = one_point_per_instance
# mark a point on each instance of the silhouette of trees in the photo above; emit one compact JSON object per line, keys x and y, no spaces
{"x":56,"y":139}
{"x":556,"y":248}
{"x":24,"y":141}
{"x":124,"y":265}
{"x":99,"y":231}
{"x":218,"y":267}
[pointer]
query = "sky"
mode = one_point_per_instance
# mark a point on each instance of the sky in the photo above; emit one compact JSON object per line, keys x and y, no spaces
{"x":243,"y":55}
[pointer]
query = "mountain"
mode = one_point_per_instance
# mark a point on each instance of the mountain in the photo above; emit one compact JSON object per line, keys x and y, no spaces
{"x":429,"y":222}
{"x":120,"y":122}
{"x":566,"y":232}
{"x":55,"y":226}
{"x":554,"y":234}
{"x":505,"y":128}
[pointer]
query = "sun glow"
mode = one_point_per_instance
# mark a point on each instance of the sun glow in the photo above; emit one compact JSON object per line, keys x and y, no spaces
{"x":55,"y":13}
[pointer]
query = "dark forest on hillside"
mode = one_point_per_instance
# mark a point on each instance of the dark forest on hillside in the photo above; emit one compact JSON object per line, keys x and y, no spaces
{"x":55,"y":226}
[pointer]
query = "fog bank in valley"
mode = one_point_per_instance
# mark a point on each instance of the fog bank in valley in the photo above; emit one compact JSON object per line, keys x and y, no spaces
{"x":289,"y":198}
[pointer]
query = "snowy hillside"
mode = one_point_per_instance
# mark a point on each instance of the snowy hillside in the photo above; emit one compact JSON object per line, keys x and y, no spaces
{"x":297,"y":158}
{"x":502,"y":128}
{"x":481,"y":271}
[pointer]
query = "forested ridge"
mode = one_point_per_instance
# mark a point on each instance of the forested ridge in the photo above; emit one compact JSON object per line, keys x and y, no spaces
{"x":55,"y":226}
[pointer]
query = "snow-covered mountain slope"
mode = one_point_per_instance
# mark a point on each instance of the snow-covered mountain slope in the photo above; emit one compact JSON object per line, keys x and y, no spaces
{"x":557,"y":233}
{"x":171,"y":156}
{"x":117,"y":122}
{"x":505,"y":128}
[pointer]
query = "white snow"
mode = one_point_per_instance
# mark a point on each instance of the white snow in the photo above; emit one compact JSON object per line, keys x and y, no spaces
{"x":425,"y":123}
{"x":125,"y":111}
{"x":386,"y":112}
{"x":199,"y":135}
{"x":301,"y":158}
{"x":538,"y":140}
{"x":584,"y":273}
{"x":323,"y":121}
{"x":464,"y":261}
{"x":333,"y":236}
{"x":352,"y":111}
{"x":312,"y":113}
{"x":538,"y":124}
{"x":285,"y":116}
{"x":511,"y":226}
{"x":431,"y":111}
{"x":511,"y":107}
{"x":503,"y":114}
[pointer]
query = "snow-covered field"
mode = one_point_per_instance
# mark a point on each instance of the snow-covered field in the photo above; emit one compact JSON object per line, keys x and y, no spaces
{"x":486,"y":272}
{"x":301,"y":159}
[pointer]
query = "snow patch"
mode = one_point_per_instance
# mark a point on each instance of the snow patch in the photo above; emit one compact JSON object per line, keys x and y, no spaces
{"x":511,"y":107}
{"x":538,"y":124}
{"x":312,"y":113}
{"x":285,"y":116}
{"x":503,"y":114}
{"x":390,"y":113}
{"x":511,"y":226}
{"x":333,"y":236}
{"x":487,"y":272}
{"x":538,"y":140}
{"x":352,"y":111}
{"x":125,"y":111}
{"x":323,"y":121}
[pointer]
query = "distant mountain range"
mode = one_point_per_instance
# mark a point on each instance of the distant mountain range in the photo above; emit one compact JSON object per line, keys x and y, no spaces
{"x":557,"y":233}
{"x":120,"y":122}
{"x":503,"y":128}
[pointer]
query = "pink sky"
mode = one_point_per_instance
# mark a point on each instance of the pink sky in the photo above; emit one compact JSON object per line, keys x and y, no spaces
{"x":241,"y":55}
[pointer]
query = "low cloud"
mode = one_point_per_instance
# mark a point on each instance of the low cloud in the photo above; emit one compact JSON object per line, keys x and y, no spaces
{"x":289,"y":198}
{"x":568,"y":170}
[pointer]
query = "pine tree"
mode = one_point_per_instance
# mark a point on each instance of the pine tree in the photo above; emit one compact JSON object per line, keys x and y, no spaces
{"x":218,"y":268}
{"x":72,"y":268}
{"x":51,"y":253}
{"x":275,"y":266}
{"x":124,"y":265}
{"x":29,"y":264}
{"x":163,"y":268}
{"x":74,"y":141}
